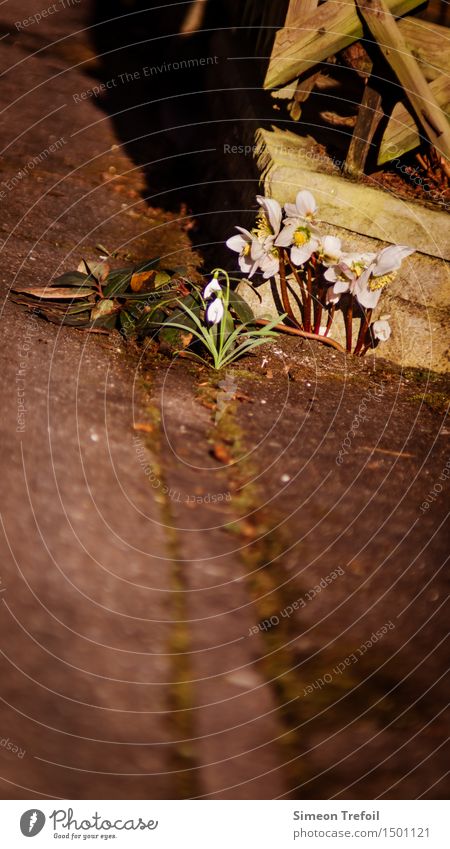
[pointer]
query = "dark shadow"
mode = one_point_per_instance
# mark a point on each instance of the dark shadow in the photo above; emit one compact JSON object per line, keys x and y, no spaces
{"x":185,"y":108}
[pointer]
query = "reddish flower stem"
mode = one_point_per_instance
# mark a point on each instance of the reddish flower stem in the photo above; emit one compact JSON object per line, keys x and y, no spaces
{"x":348,"y":324}
{"x":308,"y":302}
{"x":330,"y":319}
{"x":284,"y":292}
{"x":365,"y":322}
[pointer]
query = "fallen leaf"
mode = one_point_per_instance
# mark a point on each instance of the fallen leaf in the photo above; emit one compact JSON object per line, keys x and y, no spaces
{"x":55,"y":293}
{"x":138,"y":279}
{"x":144,"y":426}
{"x":221,"y":453}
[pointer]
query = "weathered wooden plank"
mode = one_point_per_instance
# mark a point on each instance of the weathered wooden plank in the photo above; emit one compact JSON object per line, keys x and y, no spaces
{"x":402,"y":133}
{"x":391,"y":42}
{"x":330,"y":28}
{"x":369,"y":116}
{"x":289,"y":162}
{"x":429,"y":44}
{"x":299,"y":10}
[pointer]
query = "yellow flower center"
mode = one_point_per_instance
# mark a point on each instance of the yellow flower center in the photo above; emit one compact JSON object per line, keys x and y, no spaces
{"x":301,"y":236}
{"x":380,"y":282}
{"x":357,"y":268}
{"x":245,"y":250}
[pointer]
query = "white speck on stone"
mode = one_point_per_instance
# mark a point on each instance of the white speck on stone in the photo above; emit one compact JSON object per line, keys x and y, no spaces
{"x":308,"y":383}
{"x":94,"y":436}
{"x":285,"y":478}
{"x":263,"y":401}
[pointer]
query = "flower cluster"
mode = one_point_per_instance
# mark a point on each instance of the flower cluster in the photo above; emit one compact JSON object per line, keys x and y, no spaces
{"x":289,"y":247}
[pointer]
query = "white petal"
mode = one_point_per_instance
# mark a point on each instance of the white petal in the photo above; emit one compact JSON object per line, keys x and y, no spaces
{"x":390,"y":259}
{"x":381,"y":330}
{"x":331,"y":249}
{"x":287,"y":234}
{"x":214,"y":313}
{"x":269,"y":266}
{"x":273,"y":212}
{"x":332,"y":297}
{"x":247,"y":265}
{"x":213,"y":286}
{"x":291,"y":210}
{"x":341,"y":286}
{"x":236,"y":243}
{"x":300,"y":255}
{"x":305,"y":203}
{"x":366,"y":298}
{"x":256,"y":249}
{"x":331,"y":275}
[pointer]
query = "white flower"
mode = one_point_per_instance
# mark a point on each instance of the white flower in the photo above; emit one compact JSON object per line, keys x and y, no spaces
{"x":242,"y":245}
{"x":299,"y":232}
{"x":214,"y":313}
{"x":305,"y":206}
{"x":213,"y":286}
{"x":330,"y":250}
{"x":381,"y":271}
{"x":272,"y":212}
{"x":256,"y":248}
{"x":381,"y":329}
{"x":345,"y":274}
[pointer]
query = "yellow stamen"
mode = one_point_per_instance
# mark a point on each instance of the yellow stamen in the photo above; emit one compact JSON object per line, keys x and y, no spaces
{"x":380,"y":282}
{"x":262,"y":228}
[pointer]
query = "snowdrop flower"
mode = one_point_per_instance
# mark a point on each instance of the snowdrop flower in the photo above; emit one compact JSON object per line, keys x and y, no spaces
{"x":381,"y":329}
{"x":213,"y":286}
{"x":381,"y":271}
{"x":299,"y":232}
{"x":345,"y":274}
{"x":214,"y":313}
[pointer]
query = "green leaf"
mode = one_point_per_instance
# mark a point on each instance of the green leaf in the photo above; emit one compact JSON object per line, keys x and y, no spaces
{"x":127,"y":323}
{"x":242,"y":309}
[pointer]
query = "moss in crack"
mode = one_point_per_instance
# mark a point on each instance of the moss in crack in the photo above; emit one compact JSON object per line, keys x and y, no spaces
{"x":180,"y":696}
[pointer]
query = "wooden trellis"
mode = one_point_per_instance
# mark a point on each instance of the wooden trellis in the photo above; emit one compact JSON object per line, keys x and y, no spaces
{"x":417,"y":52}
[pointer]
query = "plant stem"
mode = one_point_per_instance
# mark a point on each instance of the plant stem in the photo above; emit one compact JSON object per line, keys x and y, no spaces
{"x":330,"y":319}
{"x":307,"y":319}
{"x":294,"y":331}
{"x":365,"y":321}
{"x":299,"y":280}
{"x":348,"y":325}
{"x":284,"y":291}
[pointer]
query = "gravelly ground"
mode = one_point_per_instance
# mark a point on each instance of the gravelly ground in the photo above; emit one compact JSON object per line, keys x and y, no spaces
{"x":190,"y":610}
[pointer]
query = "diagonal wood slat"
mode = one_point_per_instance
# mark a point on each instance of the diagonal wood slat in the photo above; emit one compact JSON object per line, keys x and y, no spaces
{"x":330,"y":28}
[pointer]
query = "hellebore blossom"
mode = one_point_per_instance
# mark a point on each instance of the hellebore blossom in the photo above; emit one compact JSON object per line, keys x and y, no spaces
{"x":345,"y":274}
{"x":242,"y":245}
{"x":215,"y":310}
{"x":381,"y":271}
{"x":330,"y":250}
{"x":381,"y":329}
{"x":268,"y":223}
{"x":256,"y":248}
{"x":299,"y":232}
